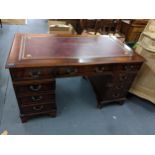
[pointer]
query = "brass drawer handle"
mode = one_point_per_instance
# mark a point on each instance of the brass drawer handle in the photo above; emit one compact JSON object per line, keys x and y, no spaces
{"x":99,"y":70}
{"x":38,"y":108}
{"x":36,"y":98}
{"x":35,"y":73}
{"x":35,"y":87}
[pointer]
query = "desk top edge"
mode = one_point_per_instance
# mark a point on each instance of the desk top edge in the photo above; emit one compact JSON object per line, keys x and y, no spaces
{"x":14,"y":51}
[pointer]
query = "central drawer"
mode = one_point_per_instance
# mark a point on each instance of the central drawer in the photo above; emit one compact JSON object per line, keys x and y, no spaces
{"x":97,"y":69}
{"x":82,"y":70}
{"x":134,"y":67}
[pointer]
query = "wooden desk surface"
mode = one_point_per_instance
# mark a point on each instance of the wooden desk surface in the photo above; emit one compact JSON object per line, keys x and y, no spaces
{"x":40,"y":50}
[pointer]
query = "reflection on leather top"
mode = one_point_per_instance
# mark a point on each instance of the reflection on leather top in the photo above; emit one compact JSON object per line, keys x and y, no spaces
{"x":49,"y":47}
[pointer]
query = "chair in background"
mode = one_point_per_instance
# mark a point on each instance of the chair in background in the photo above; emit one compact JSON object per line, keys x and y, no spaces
{"x":132,"y":29}
{"x":102,"y":26}
{"x":59,"y":27}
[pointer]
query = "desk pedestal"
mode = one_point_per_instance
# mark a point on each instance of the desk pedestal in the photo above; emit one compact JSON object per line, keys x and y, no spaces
{"x":112,"y":87}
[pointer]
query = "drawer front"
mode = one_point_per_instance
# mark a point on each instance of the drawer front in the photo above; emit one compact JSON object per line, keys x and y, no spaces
{"x":31,"y":73}
{"x":121,"y":87}
{"x":48,"y":73}
{"x":114,"y":91}
{"x":38,"y":109}
{"x":98,"y":69}
{"x":119,"y":93}
{"x":115,"y":95}
{"x":125,"y":78}
{"x":33,"y":88}
{"x":128,"y":67}
{"x":66,"y":71}
{"x":37,"y":99}
{"x":83,"y":70}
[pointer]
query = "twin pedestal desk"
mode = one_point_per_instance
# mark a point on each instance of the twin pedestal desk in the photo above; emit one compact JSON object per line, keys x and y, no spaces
{"x":36,"y":60}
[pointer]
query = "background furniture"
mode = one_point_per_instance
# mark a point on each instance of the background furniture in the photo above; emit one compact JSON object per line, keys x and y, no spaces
{"x":103,"y":26}
{"x":93,"y":25}
{"x":74,"y":22}
{"x":60,"y":27}
{"x":132,"y":29}
{"x":14,"y":21}
{"x":144,"y":84}
{"x":36,"y":60}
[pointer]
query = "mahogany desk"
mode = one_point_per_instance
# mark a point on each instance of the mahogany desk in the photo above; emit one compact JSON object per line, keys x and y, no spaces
{"x":36,"y":60}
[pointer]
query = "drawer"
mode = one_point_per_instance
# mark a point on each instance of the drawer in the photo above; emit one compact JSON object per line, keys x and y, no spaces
{"x":98,"y":69}
{"x":31,"y":73}
{"x":38,"y":109}
{"x":78,"y":71}
{"x":123,"y":77}
{"x":121,"y":86}
{"x":37,"y":99}
{"x":116,"y":94}
{"x":66,"y":71}
{"x":114,"y":91}
{"x":129,"y":67}
{"x":34,"y":88}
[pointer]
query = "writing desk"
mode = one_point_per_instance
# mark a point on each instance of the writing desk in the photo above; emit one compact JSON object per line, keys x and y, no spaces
{"x":36,"y":60}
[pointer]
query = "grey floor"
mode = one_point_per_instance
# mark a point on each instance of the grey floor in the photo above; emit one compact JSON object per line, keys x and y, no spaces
{"x":77,"y":112}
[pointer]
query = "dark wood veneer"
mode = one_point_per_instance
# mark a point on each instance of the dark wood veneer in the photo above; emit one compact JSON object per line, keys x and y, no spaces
{"x":36,"y":60}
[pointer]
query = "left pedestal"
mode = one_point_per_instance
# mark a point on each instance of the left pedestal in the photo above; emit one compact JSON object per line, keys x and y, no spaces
{"x":35,"y":92}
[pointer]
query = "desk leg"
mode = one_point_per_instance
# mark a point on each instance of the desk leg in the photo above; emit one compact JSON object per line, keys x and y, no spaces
{"x":121,"y":102}
{"x":101,"y":104}
{"x":24,"y":119}
{"x":53,"y":114}
{"x":85,"y":77}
